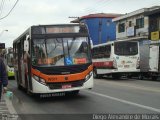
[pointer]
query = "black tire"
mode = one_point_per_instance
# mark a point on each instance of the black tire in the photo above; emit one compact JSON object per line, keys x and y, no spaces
{"x":19,"y":87}
{"x":116,"y":76}
{"x":27,"y":86}
{"x":154,"y":77}
{"x":18,"y":84}
{"x":140,"y":77}
{"x":95,"y":75}
{"x":129,"y":76}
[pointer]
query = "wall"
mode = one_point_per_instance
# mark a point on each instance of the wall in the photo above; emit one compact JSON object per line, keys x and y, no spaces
{"x":137,"y":31}
{"x":101,"y":30}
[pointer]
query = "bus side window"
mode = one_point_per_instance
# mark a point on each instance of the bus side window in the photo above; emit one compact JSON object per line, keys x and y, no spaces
{"x":102,"y":52}
{"x":94,"y":53}
{"x":107,"y":51}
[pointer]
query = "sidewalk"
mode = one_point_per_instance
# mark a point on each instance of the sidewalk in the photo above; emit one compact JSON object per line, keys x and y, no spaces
{"x":3,"y":107}
{"x":7,"y":111}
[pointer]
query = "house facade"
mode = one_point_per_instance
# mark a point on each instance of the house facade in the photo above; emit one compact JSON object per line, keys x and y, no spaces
{"x":154,"y":25}
{"x":138,"y":25}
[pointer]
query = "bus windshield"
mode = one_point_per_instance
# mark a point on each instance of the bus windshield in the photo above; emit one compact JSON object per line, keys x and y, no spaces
{"x":61,"y":51}
{"x":126,"y":48}
{"x":10,"y":59}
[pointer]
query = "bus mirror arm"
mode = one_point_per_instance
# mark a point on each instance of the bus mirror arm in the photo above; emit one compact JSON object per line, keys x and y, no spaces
{"x":27,"y":37}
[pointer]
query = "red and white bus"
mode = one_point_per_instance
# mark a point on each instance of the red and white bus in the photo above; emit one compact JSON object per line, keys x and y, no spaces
{"x":116,"y":58}
{"x":53,"y":58}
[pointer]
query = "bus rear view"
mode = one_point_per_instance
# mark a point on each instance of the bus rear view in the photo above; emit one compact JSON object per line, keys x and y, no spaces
{"x":58,"y":59}
{"x":116,"y":58}
{"x":126,"y":58}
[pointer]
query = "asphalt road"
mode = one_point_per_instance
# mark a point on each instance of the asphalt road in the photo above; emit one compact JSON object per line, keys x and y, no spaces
{"x":125,"y":96}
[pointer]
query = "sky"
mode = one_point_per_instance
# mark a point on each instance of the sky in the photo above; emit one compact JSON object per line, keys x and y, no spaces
{"x":37,"y":12}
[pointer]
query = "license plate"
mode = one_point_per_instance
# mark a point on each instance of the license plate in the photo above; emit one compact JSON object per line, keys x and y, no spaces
{"x":126,"y":66}
{"x":66,"y":86}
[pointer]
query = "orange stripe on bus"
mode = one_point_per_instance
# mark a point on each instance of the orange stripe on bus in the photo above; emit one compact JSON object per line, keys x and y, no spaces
{"x":62,"y":78}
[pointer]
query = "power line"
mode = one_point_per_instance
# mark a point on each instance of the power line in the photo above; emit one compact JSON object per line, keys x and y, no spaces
{"x":95,"y":4}
{"x":2,"y":6}
{"x":91,"y":7}
{"x":101,"y":4}
{"x":10,"y":10}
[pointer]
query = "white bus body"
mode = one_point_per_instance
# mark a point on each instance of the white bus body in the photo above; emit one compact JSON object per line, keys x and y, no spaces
{"x":116,"y":58}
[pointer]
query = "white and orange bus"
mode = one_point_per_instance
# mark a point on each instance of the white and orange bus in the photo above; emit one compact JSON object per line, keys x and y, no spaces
{"x":53,"y":59}
{"x":116,"y":58}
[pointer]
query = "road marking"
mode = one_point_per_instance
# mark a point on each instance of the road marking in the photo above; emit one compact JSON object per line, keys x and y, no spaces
{"x":134,"y":86}
{"x":125,"y":101}
{"x":3,"y":108}
{"x":4,"y":112}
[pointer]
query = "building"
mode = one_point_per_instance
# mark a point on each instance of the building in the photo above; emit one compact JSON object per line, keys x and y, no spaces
{"x":138,"y":25}
{"x":100,"y":25}
{"x":154,"y":24}
{"x":143,"y":25}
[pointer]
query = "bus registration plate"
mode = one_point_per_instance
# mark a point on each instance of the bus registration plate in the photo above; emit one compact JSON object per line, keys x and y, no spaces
{"x":126,"y":66}
{"x":66,"y":86}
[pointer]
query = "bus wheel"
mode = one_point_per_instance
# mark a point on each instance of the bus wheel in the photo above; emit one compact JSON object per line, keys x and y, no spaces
{"x":26,"y":85}
{"x":95,"y":75}
{"x":140,"y":77}
{"x":19,"y":87}
{"x":154,"y":77}
{"x":116,"y":76}
{"x":129,"y":76}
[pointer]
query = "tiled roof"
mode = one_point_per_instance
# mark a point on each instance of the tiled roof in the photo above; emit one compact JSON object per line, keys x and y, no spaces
{"x":97,"y":15}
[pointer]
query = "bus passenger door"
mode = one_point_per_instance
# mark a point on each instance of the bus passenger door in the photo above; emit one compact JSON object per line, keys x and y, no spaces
{"x":19,"y":63}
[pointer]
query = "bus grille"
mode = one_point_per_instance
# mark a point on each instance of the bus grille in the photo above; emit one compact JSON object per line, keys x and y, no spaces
{"x":60,"y":85}
{"x":59,"y":70}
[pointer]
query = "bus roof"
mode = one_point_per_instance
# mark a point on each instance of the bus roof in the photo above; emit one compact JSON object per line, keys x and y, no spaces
{"x":110,"y":42}
{"x":67,"y":24}
{"x":47,"y":25}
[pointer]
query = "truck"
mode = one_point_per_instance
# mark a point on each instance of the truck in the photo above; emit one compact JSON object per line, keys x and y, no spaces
{"x":149,"y":60}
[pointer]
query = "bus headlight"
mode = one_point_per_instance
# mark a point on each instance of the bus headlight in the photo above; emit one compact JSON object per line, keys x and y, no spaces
{"x":36,"y":77}
{"x":40,"y":80}
{"x":88,"y":76}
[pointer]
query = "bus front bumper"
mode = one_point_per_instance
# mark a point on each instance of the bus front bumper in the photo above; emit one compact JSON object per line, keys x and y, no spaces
{"x":41,"y":88}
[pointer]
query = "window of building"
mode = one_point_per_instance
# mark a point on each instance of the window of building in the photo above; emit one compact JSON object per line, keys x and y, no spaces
{"x":139,"y":23}
{"x":121,"y":27}
{"x":153,"y":24}
{"x":101,"y":52}
{"x":130,"y":23}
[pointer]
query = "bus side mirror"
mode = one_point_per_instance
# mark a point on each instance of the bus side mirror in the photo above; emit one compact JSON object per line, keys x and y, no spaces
{"x":26,"y":44}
